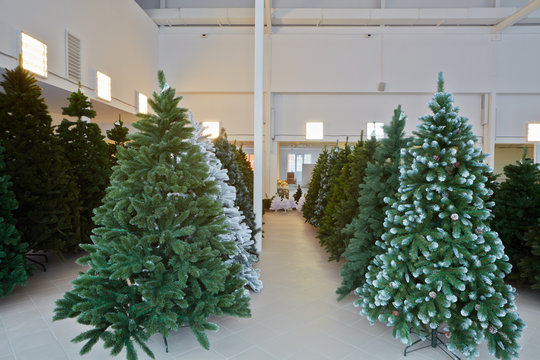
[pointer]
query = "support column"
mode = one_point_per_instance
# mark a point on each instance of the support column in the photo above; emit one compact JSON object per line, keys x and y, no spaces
{"x":536,"y":152}
{"x":258,"y":106}
{"x":489,"y":129}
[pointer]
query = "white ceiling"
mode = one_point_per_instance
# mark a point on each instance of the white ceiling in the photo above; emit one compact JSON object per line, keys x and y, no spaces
{"x":338,"y":12}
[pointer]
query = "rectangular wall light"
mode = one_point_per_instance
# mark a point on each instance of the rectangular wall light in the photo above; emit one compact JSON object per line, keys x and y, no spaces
{"x":103,"y":86}
{"x":533,"y":132}
{"x":34,"y":55}
{"x":314,"y":131}
{"x":142,"y":103}
{"x":375,"y":129}
{"x":211,"y":129}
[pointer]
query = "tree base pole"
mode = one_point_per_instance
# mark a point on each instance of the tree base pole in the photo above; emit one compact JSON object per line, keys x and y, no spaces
{"x":435,"y":342}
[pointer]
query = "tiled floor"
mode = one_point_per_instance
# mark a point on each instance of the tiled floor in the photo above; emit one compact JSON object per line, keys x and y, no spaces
{"x":296,"y":316}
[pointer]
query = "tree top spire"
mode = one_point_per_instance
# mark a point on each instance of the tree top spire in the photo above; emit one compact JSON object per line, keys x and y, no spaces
{"x":440,"y":82}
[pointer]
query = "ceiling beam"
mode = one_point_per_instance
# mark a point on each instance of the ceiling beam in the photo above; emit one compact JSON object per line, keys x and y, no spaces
{"x":517,"y":16}
{"x":268,"y":15}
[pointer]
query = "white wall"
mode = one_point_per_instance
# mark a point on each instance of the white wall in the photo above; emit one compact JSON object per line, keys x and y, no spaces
{"x":117,"y":38}
{"x":331,"y":75}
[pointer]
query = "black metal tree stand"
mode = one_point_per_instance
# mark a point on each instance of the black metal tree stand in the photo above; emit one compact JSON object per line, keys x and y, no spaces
{"x":39,"y":263}
{"x":435,"y":342}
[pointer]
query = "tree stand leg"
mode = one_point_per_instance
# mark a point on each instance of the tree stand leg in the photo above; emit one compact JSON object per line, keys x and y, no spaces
{"x":166,"y":344}
{"x":435,"y":342}
{"x":38,"y":262}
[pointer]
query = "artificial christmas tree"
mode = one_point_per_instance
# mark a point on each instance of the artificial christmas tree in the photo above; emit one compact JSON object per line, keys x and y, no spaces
{"x":228,"y":156}
{"x":343,"y":204}
{"x":119,"y":137}
{"x":298,"y":194}
{"x":336,"y":160}
{"x":245,"y":168}
{"x":308,"y":209}
{"x":48,"y":212}
{"x":517,"y":208}
{"x":441,"y":265}
{"x":12,"y":250}
{"x":238,"y":231}
{"x":366,"y":228}
{"x":529,"y":266}
{"x":158,"y":260}
{"x":88,"y":154}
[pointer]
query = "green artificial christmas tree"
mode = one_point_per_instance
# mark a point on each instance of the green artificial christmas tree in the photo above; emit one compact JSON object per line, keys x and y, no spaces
{"x":245,"y":168}
{"x":308,"y":210}
{"x":517,"y":207}
{"x":529,"y":266}
{"x":119,"y":137}
{"x":343,"y":204}
{"x":12,"y":250}
{"x":88,"y":155}
{"x":366,"y":228}
{"x":157,"y":261}
{"x":337,"y":158}
{"x":298,"y":194}
{"x":227,"y":153}
{"x":442,"y":266}
{"x":48,"y":212}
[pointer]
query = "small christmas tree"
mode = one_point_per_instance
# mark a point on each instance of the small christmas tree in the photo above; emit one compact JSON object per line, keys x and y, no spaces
{"x":238,"y":231}
{"x":119,"y":137}
{"x":298,"y":194}
{"x":245,"y":168}
{"x":228,"y":155}
{"x":12,"y":250}
{"x":530,"y":265}
{"x":366,"y":228}
{"x":48,"y":212}
{"x":441,"y":265}
{"x":343,"y":204}
{"x":308,"y":209}
{"x":336,"y":160}
{"x":158,"y":259}
{"x":517,"y":208}
{"x":88,"y":155}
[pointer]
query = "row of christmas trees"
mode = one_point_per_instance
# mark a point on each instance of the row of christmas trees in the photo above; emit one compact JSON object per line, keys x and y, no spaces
{"x":52,"y":179}
{"x":412,"y":218}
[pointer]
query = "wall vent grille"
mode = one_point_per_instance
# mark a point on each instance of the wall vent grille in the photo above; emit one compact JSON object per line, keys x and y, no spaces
{"x":73,"y":57}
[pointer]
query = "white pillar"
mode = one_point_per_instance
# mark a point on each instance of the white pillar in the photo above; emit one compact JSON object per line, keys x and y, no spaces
{"x":258,"y":106}
{"x":537,"y":152}
{"x":489,"y":134}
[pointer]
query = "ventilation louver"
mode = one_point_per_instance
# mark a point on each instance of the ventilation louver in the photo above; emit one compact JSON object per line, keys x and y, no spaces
{"x":73,"y":57}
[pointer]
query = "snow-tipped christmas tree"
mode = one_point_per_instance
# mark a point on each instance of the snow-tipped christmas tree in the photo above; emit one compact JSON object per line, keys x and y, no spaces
{"x":366,"y":228}
{"x":119,"y":137}
{"x":308,"y":208}
{"x":517,"y":208}
{"x":227,"y":154}
{"x":48,"y":212}
{"x":88,"y":154}
{"x":12,"y":250}
{"x":337,"y":158}
{"x":442,"y":266}
{"x":238,"y":231}
{"x":158,"y":260}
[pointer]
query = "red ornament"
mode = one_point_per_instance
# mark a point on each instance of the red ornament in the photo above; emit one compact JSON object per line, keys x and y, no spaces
{"x":436,"y":157}
{"x":432,"y":294}
{"x":395,"y":313}
{"x":459,"y":131}
{"x":479,"y":231}
{"x":456,"y":164}
{"x":492,"y":329}
{"x":447,"y":334}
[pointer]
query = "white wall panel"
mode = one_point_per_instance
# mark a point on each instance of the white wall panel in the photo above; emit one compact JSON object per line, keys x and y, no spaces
{"x":518,"y":60}
{"x":514,"y":111}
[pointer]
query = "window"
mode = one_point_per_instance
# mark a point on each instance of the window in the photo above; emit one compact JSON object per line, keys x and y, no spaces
{"x":314,"y":131}
{"x":533,"y":132}
{"x":211,"y":129}
{"x":103,"y":86}
{"x":375,"y":129}
{"x":291,"y":165}
{"x":142,"y":103}
{"x":299,"y":163}
{"x":307,"y":159}
{"x":34,"y":55}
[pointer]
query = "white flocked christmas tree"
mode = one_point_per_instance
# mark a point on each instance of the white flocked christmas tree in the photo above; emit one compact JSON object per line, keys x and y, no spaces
{"x":442,"y":266}
{"x":238,"y":231}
